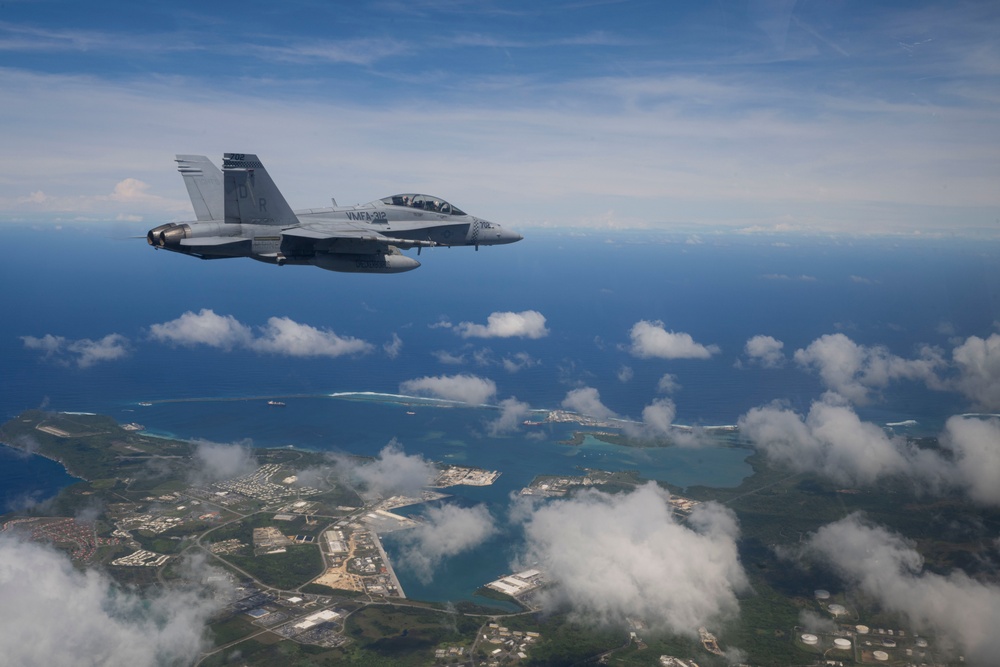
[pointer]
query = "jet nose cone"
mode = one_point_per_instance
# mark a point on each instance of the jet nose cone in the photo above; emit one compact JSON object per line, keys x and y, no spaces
{"x":508,"y":236}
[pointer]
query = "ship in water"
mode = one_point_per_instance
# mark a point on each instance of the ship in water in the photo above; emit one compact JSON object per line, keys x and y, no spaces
{"x":279,"y":404}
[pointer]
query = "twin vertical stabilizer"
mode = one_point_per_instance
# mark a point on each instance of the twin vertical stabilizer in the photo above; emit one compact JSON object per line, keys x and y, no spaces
{"x":251,"y":197}
{"x":204,"y":185}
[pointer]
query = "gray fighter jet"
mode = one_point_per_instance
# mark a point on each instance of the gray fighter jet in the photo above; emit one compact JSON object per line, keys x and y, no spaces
{"x":241,"y":213}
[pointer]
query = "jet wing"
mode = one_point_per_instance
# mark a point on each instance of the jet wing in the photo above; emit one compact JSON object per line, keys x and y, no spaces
{"x":334,"y":238}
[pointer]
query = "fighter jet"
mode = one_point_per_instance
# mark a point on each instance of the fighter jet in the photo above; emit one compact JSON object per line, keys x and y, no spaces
{"x":241,"y":213}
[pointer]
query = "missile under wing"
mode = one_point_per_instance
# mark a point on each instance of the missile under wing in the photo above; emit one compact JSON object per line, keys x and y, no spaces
{"x":241,"y":213}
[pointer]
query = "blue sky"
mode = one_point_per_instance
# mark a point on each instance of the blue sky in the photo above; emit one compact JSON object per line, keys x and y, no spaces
{"x":758,"y":116}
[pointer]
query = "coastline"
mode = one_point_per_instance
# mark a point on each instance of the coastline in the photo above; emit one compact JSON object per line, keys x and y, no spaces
{"x":390,"y":570}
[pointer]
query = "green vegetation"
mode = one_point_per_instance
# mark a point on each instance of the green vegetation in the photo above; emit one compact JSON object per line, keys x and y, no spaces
{"x":289,"y":570}
{"x":566,"y":642}
{"x":775,"y":507}
{"x":320,"y":589}
{"x":231,"y":629}
{"x":91,"y":447}
{"x":405,"y":635}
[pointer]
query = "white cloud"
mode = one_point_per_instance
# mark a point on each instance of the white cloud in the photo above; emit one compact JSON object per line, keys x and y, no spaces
{"x":668,"y":384}
{"x":650,"y":339}
{"x":48,"y":343}
{"x":281,"y":335}
{"x":587,"y":401}
{"x":512,"y":413}
{"x":884,"y":565}
{"x":393,"y":347}
{"x":978,"y":362}
{"x":56,"y":614}
{"x":975,"y":445}
{"x":626,"y":555}
{"x":518,"y":361}
{"x":203,"y":328}
{"x":215,"y":461}
{"x":446,"y":530}
{"x":449,"y":358}
{"x":394,"y":472}
{"x":657,"y":418}
{"x":833,"y":441}
{"x":526,"y":324}
{"x":765,"y":351}
{"x":853,"y":370}
{"x":625,"y":373}
{"x":782,"y":276}
{"x":83,"y":352}
{"x":470,"y":389}
{"x":792,"y":152}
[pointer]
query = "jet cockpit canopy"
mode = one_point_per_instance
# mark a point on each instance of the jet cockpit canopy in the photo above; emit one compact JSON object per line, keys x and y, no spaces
{"x":424,"y":203}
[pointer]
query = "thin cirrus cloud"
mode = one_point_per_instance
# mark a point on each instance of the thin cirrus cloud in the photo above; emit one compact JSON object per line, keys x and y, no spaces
{"x":281,"y":335}
{"x":770,"y":123}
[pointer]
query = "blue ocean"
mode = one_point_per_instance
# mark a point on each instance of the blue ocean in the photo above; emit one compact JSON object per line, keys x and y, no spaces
{"x":81,"y":282}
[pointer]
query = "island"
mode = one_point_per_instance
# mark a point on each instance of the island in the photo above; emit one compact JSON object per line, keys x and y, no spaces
{"x":311,"y":582}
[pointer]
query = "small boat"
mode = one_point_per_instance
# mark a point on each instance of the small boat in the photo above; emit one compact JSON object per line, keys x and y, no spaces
{"x":278,"y":404}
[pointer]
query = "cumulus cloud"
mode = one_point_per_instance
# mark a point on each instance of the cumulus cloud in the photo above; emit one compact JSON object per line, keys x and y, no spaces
{"x":526,"y":324}
{"x":512,"y":413}
{"x":446,"y":530}
{"x":83,"y":352}
{"x":765,"y":351}
{"x":657,"y":418}
{"x":975,"y":447}
{"x":470,"y":389}
{"x":625,"y":374}
{"x":887,"y":567}
{"x":281,"y":335}
{"x":978,"y":362}
{"x":214,"y":461}
{"x":54,"y":613}
{"x":668,"y":384}
{"x":395,"y":472}
{"x":853,"y":370}
{"x":650,"y":339}
{"x":587,"y":401}
{"x":613,"y":556}
{"x":203,"y":328}
{"x":833,"y":441}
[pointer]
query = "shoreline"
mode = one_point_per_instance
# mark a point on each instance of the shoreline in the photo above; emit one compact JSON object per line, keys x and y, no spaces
{"x":390,"y":570}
